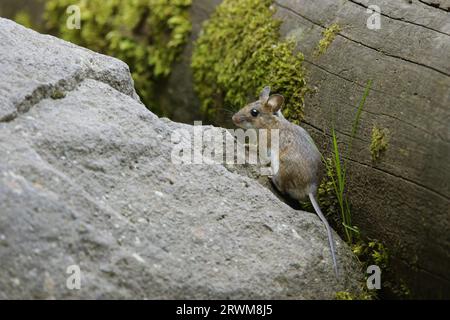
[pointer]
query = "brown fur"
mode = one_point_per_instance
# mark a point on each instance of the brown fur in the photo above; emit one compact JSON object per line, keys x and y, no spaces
{"x":299,"y":158}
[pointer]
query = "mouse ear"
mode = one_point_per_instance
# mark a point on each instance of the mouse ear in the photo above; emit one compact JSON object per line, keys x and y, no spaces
{"x":264,"y":95}
{"x":275,"y":102}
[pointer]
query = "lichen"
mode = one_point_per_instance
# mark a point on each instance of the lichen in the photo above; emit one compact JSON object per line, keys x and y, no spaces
{"x":239,"y":52}
{"x":329,"y":34}
{"x":147,"y":34}
{"x":379,"y":142}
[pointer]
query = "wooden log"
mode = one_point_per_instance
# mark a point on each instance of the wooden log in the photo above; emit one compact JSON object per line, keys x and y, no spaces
{"x":403,"y":199}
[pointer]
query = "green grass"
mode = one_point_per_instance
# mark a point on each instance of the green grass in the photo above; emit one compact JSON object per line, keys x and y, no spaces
{"x":338,"y":168}
{"x":369,"y":251}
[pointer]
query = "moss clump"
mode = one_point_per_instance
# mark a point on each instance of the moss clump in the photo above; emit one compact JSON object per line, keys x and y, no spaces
{"x":22,"y":17}
{"x":57,"y":94}
{"x":239,"y":52}
{"x":147,"y":34}
{"x":379,"y":142}
{"x":345,"y":295}
{"x":369,"y":252}
{"x":372,"y":252}
{"x":328,"y":36}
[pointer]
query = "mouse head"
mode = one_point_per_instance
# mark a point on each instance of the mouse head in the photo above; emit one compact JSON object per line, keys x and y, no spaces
{"x":262,"y":113}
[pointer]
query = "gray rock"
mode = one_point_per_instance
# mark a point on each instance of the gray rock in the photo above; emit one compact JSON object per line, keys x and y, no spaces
{"x":86,"y":179}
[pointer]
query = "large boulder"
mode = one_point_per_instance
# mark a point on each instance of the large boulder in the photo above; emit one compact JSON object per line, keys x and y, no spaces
{"x":86,"y":179}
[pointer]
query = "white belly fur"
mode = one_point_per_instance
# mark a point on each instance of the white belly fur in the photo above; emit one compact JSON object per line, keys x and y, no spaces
{"x":274,"y":162}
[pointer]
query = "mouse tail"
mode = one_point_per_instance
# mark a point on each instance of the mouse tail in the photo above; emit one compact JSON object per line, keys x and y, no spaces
{"x":329,"y":231}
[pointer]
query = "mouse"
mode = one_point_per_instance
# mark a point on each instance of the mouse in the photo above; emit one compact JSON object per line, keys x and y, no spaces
{"x":296,"y":167}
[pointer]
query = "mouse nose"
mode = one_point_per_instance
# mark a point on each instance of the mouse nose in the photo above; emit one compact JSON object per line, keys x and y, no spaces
{"x":235,"y":118}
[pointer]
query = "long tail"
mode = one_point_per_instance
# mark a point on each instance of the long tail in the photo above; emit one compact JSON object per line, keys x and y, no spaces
{"x":329,"y":232}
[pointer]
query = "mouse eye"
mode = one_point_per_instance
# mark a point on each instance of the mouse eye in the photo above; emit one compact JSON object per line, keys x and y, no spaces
{"x":254,"y":112}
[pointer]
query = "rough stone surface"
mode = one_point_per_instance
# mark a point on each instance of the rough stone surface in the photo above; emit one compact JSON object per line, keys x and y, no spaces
{"x":86,"y":179}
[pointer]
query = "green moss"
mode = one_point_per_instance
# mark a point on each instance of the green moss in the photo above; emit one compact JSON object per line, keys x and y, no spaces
{"x":374,"y":252}
{"x":371,"y":252}
{"x":23,"y":18}
{"x":57,"y":94}
{"x":379,"y":142}
{"x":345,"y":295}
{"x":402,"y":290}
{"x":328,"y":36}
{"x":239,"y":52}
{"x":147,"y":34}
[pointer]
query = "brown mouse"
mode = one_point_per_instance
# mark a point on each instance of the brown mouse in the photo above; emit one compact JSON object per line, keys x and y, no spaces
{"x":296,"y":168}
